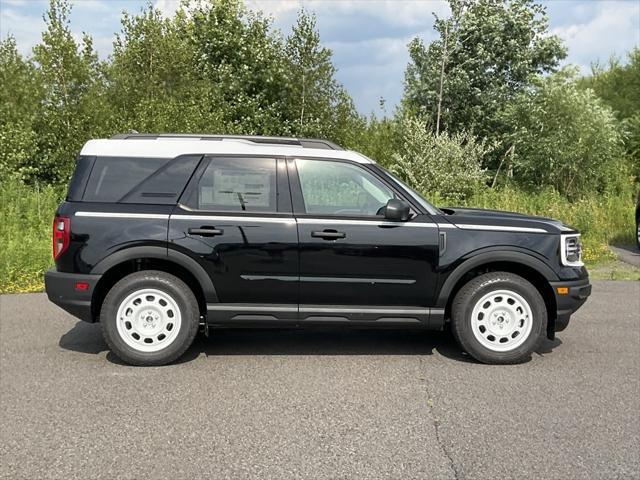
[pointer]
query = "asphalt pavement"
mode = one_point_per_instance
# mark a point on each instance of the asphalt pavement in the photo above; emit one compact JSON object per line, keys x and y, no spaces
{"x":321,"y":404}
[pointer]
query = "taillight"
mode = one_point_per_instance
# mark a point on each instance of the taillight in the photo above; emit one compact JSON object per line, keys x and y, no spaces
{"x":61,"y":235}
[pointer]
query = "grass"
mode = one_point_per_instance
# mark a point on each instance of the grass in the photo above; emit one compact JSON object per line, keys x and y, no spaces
{"x":614,"y":270}
{"x":27,"y":214}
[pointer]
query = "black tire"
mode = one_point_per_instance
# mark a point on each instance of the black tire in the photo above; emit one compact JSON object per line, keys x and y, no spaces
{"x":472,"y":292}
{"x":165,"y":283}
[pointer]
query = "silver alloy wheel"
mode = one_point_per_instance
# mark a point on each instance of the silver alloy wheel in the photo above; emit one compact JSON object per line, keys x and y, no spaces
{"x":501,"y":320}
{"x":148,"y":320}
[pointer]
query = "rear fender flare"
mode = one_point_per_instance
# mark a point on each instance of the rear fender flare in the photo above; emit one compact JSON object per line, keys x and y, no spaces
{"x":162,"y":253}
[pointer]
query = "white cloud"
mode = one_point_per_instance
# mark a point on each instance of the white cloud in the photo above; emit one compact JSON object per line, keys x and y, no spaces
{"x":393,"y":12}
{"x":24,"y":28}
{"x":614,"y":29}
{"x":91,"y":6}
{"x":167,"y":7}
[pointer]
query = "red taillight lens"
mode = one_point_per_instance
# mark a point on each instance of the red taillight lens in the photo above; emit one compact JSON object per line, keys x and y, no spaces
{"x":61,"y":234}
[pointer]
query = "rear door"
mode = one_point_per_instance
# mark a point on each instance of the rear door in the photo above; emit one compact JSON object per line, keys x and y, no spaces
{"x":353,"y":263}
{"x":235,"y":218}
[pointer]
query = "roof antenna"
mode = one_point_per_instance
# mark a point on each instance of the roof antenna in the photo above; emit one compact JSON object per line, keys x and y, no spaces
{"x":133,"y":131}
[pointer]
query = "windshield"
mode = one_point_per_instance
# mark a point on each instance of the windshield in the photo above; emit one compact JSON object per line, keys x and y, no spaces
{"x":430,"y":208}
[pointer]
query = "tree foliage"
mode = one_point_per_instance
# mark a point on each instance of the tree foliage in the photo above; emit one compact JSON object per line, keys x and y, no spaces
{"x":481,"y":89}
{"x":71,"y":81}
{"x":447,"y":165}
{"x":19,"y":93}
{"x":565,"y":137}
{"x":319,"y":105}
{"x":618,"y":85}
{"x":214,"y":66}
{"x":487,"y":52}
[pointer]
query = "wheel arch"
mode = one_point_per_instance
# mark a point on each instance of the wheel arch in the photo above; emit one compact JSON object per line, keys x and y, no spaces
{"x":122,"y":263}
{"x":527,"y":266}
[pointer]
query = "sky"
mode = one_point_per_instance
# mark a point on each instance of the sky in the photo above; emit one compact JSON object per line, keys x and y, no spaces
{"x":368,"y":37}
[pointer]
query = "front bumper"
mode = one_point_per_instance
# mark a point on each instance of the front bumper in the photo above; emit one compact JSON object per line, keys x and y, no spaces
{"x":61,"y":290}
{"x":567,"y":304}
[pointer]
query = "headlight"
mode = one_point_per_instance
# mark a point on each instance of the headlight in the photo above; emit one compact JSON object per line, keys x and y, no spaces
{"x":571,"y":250}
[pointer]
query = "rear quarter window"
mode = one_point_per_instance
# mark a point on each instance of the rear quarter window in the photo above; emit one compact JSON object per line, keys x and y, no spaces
{"x":79,"y":180}
{"x":139,"y":180}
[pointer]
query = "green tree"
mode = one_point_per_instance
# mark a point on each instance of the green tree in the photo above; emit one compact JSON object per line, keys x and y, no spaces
{"x":487,"y":52}
{"x":154,"y":81}
{"x":20,"y":93}
{"x":70,"y":111}
{"x":619,"y":86}
{"x":317,"y":105}
{"x":241,"y":57}
{"x":566,"y":137}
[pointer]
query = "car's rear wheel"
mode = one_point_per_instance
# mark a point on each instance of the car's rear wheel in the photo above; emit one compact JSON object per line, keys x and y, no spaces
{"x":499,"y":318}
{"x":149,"y":318}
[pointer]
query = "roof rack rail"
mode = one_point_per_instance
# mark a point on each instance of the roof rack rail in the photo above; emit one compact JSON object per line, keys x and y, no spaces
{"x":297,"y":142}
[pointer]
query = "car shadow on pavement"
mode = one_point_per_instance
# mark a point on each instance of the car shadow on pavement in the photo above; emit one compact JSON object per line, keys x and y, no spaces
{"x":87,"y":338}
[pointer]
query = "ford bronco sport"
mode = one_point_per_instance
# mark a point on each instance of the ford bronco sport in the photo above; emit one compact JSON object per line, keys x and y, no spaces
{"x":163,"y":235}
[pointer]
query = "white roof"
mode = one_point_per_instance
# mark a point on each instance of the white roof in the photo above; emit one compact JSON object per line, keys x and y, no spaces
{"x":173,"y":147}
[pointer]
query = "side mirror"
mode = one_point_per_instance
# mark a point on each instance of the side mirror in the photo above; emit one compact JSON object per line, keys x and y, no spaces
{"x":396,"y":210}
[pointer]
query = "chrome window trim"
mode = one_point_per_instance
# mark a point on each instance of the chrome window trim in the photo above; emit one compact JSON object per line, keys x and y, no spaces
{"x":148,"y":216}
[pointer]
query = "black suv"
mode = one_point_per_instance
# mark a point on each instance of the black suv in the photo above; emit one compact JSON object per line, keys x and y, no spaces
{"x":163,"y":235}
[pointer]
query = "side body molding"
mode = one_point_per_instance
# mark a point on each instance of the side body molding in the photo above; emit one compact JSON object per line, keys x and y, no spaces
{"x":492,"y":256}
{"x":162,"y":253}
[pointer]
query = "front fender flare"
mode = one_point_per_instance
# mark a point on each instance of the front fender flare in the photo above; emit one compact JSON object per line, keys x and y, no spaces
{"x":486,"y":257}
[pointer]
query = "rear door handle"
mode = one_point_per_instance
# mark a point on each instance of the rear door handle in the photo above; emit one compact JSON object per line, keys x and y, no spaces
{"x":329,"y":234}
{"x":206,"y":231}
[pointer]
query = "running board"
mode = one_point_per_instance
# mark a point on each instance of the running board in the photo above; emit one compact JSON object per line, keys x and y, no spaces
{"x":291,"y":314}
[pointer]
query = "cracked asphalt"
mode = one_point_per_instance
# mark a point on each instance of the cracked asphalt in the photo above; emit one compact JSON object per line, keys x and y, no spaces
{"x":321,"y":403}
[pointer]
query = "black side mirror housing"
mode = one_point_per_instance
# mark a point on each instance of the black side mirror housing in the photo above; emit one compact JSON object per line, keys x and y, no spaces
{"x":396,"y":210}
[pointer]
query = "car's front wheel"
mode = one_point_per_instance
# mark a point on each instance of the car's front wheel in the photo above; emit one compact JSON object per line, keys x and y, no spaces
{"x":499,"y":318}
{"x":149,"y":318}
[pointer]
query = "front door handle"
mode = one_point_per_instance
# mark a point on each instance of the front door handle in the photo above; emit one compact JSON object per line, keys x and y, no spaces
{"x":329,"y":234}
{"x":206,"y":231}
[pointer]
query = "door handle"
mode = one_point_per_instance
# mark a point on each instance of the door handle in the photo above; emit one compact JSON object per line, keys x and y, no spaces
{"x":329,"y":234}
{"x":206,"y":231}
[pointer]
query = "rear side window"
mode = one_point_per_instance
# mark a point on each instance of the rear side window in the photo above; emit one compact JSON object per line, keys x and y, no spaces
{"x":236,"y":185}
{"x":113,"y":177}
{"x":139,"y":180}
{"x":79,"y":180}
{"x":166,"y":184}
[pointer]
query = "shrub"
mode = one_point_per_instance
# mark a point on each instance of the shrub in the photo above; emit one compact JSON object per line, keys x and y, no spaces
{"x":565,"y":137}
{"x":448,"y":166}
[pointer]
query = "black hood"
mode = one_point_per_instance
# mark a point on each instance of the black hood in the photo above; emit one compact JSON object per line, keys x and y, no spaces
{"x":486,"y":218}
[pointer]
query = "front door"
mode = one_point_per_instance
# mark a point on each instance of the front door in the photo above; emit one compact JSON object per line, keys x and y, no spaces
{"x":235,"y":219}
{"x":353,"y":263}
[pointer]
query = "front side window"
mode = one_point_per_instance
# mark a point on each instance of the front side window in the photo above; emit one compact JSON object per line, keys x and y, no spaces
{"x":336,"y":188}
{"x":236,"y":185}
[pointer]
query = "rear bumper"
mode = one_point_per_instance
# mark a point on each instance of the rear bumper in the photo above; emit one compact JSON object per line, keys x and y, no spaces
{"x":579,"y":291}
{"x":61,"y":290}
